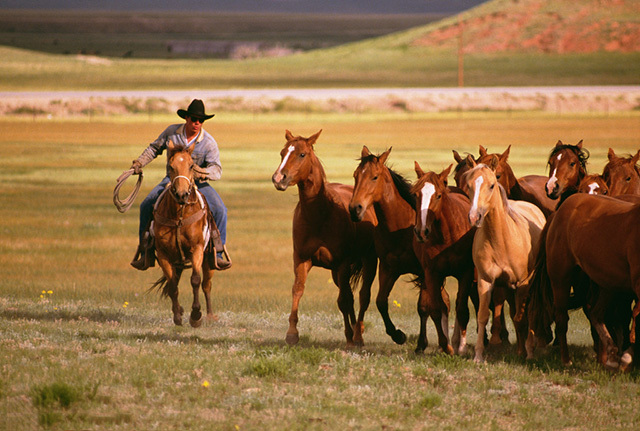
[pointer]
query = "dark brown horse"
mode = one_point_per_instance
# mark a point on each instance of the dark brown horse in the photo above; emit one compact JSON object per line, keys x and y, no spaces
{"x":567,"y":168}
{"x":324,"y":235}
{"x":181,"y":233}
{"x":386,"y":191}
{"x":444,"y":244}
{"x":622,"y":174}
{"x":594,"y":238}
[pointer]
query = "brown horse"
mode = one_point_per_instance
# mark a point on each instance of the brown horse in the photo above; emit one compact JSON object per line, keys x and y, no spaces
{"x":590,"y":236}
{"x":622,"y":174}
{"x":593,"y":184}
{"x":567,"y":168}
{"x":444,"y":243}
{"x":180,"y":228}
{"x":378,"y":187}
{"x":529,"y":188}
{"x":324,"y":235}
{"x":504,"y":245}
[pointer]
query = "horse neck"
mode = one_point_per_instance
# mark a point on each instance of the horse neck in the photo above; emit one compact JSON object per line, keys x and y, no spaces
{"x":169,"y":208}
{"x":451,"y":220}
{"x":497,"y":218}
{"x":311,"y":190}
{"x":392,"y":210}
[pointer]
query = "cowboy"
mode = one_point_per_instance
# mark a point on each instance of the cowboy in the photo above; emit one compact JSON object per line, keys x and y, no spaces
{"x":206,"y":158}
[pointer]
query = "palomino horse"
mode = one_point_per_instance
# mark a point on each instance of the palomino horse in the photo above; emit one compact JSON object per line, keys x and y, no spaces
{"x":181,"y":230}
{"x":324,"y":236}
{"x":378,"y":187}
{"x":444,"y":243}
{"x":589,"y":236}
{"x":567,"y":168}
{"x":504,"y":245}
{"x":529,"y":188}
{"x":622,"y":174}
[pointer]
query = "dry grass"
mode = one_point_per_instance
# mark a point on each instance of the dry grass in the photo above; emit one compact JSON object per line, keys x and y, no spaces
{"x":84,"y":347}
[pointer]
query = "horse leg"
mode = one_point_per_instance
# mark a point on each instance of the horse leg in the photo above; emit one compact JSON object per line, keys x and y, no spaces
{"x":171,"y":288}
{"x":484,"y":296}
{"x":386,"y":281}
{"x":434,"y":301}
{"x":207,"y":275}
{"x":561,"y":300}
{"x":459,"y":339}
{"x":607,"y":352}
{"x":300,"y":270}
{"x":195,"y":319}
{"x":634,"y":349}
{"x":368,"y":275}
{"x":345,"y":300}
{"x":499,"y":333}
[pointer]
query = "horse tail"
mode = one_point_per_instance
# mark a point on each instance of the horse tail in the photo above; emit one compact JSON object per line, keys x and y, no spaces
{"x":355,"y":271}
{"x":160,"y":285}
{"x":540,"y":306}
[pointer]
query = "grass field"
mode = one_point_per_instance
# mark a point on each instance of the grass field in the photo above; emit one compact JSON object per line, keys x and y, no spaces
{"x":84,"y":346}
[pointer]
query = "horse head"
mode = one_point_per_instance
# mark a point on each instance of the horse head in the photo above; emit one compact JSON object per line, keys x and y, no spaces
{"x":296,"y":160}
{"x":567,"y":167}
{"x":428,"y":190}
{"x":461,"y":168}
{"x":593,"y":184}
{"x":503,"y":171}
{"x":180,"y":171}
{"x":480,"y":185}
{"x":622,"y":174}
{"x":369,"y":179}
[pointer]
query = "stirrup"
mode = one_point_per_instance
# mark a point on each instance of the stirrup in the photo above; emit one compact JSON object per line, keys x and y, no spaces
{"x":220,"y":265}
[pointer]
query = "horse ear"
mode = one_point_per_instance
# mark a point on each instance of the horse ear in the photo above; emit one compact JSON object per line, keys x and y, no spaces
{"x":190,"y":149}
{"x":365,"y":152}
{"x":471,"y":161}
{"x":456,"y":156}
{"x":313,"y":138}
{"x":559,"y":143}
{"x":171,"y":147}
{"x":288,"y":136}
{"x":445,"y":174}
{"x":493,"y":164}
{"x":383,"y":157}
{"x":579,"y":145}
{"x":483,"y":151}
{"x":418,"y":169}
{"x":611,"y":155}
{"x":504,"y":156}
{"x":634,"y":159}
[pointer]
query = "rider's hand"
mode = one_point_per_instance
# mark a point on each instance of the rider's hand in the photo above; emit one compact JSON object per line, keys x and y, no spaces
{"x":200,"y":174}
{"x":137,"y":167}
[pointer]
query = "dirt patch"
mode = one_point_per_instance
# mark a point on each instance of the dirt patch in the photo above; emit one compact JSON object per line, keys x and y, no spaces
{"x":545,"y":26}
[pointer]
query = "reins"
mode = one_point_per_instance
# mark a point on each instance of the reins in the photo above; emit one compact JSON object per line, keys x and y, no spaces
{"x":124,"y":205}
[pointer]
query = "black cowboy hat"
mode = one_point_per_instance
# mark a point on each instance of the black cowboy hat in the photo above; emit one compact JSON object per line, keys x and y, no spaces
{"x":195,"y":109}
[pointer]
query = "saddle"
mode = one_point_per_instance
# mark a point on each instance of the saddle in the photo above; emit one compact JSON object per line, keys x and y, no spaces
{"x":210,"y":232}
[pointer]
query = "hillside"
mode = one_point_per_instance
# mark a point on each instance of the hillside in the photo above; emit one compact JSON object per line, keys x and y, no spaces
{"x":544,"y":26}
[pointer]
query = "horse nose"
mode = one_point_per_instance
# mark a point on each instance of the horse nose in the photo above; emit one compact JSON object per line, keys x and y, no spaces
{"x":356,"y":212}
{"x":418,"y":234}
{"x":279,"y":179}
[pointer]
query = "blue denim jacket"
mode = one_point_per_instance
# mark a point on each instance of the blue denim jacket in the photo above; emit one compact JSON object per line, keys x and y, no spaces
{"x":205,"y":154}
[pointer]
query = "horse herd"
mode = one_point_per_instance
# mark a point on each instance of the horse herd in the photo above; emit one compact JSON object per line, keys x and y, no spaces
{"x":544,"y":245}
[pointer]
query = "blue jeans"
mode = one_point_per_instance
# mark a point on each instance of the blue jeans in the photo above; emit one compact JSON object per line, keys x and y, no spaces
{"x":217,"y":207}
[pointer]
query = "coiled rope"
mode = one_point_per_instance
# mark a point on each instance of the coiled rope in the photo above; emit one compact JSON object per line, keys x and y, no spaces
{"x":124,"y":205}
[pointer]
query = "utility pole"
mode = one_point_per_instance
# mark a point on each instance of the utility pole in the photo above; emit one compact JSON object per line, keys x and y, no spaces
{"x":460,"y":48}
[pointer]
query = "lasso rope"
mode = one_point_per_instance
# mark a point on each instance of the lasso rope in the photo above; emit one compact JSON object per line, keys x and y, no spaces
{"x":124,"y":205}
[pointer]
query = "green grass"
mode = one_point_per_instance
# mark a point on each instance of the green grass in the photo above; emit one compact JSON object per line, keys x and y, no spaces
{"x":85,"y":346}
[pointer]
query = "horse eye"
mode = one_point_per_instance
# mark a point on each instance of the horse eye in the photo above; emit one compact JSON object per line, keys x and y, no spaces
{"x":628,"y":179}
{"x":302,"y":155}
{"x":498,"y":177}
{"x":439,"y":196}
{"x":492,"y":186}
{"x":375,"y":178}
{"x":605,"y":192}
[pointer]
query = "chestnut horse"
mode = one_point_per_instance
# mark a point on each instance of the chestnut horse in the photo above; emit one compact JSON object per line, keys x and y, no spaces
{"x":529,"y":188}
{"x":593,"y":184}
{"x":181,"y":231}
{"x":622,"y":174}
{"x":591,"y":236}
{"x":378,"y":187}
{"x":567,"y":168}
{"x":446,"y":240}
{"x":324,"y":235}
{"x":504,"y":245}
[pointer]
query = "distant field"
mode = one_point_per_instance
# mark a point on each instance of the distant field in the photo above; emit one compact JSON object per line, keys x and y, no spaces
{"x":189,"y":35}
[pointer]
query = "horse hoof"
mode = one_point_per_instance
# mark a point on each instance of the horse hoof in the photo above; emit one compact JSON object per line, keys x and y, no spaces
{"x":399,"y":337}
{"x":292,"y":339}
{"x":196,"y":323}
{"x":177,"y":321}
{"x":448,"y":350}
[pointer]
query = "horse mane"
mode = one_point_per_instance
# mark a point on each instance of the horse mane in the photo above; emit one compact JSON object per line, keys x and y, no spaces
{"x":582,"y":153}
{"x":461,"y":164}
{"x":402,"y":184}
